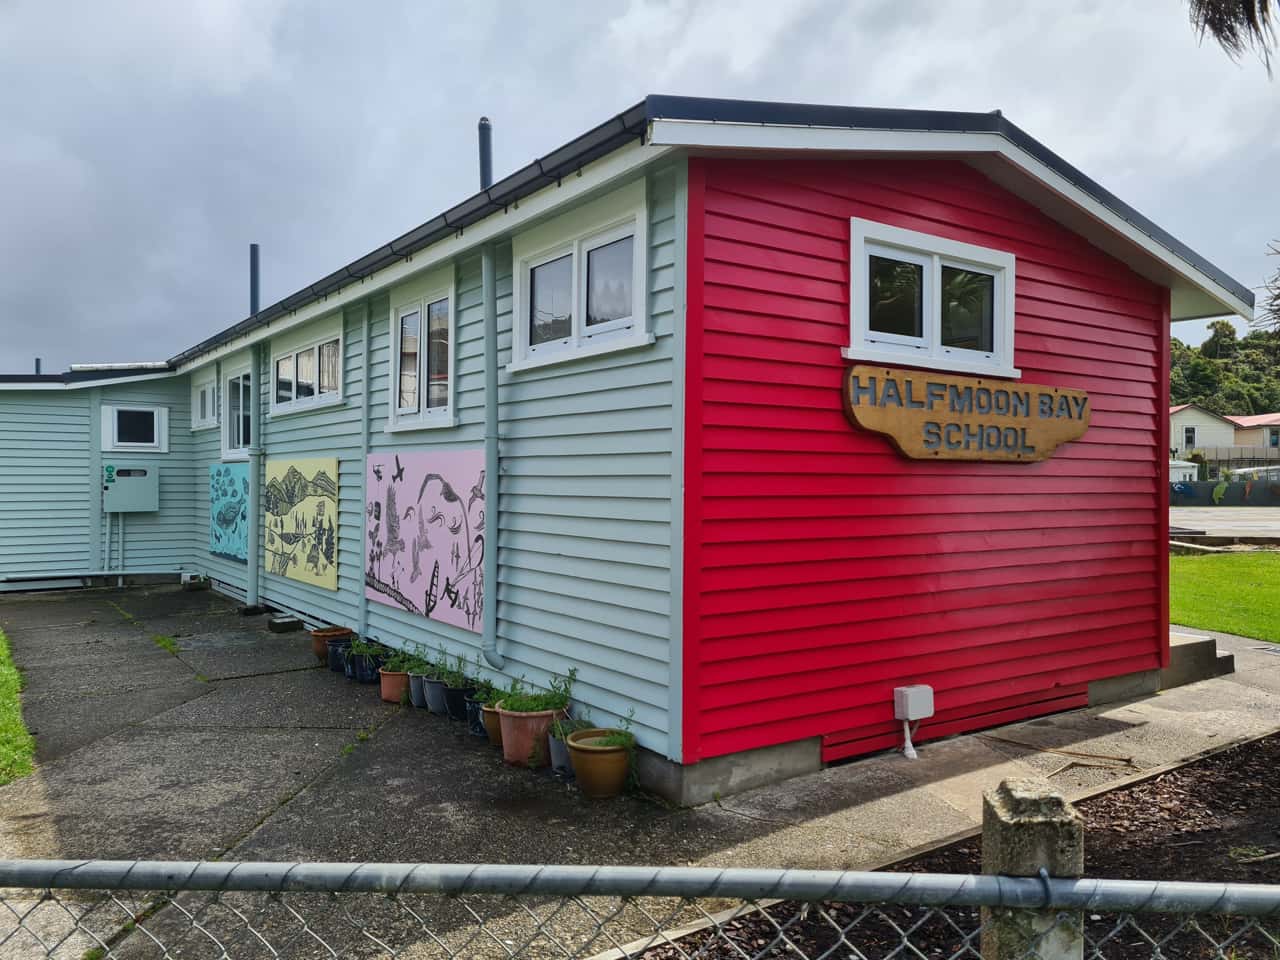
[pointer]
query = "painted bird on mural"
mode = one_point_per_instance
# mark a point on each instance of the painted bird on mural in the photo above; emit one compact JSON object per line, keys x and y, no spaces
{"x":377,"y":471}
{"x":477,"y":492}
{"x":398,"y":475}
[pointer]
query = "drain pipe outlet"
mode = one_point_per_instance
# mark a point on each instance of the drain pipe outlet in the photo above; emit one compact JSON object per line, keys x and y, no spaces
{"x":489,"y":290}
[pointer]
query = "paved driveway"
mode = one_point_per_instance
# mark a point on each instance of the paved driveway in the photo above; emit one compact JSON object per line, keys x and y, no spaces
{"x":239,"y":747}
{"x":1228,"y":521}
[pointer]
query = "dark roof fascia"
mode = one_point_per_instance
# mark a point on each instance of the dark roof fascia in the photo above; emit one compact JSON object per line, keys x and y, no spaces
{"x":84,"y":376}
{"x":632,"y":124}
{"x":623,"y":128}
{"x":881,"y":118}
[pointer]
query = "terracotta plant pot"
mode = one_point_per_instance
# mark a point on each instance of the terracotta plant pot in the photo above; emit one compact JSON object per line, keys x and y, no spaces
{"x":395,"y":686}
{"x":492,"y":725}
{"x":524,"y":736}
{"x":321,"y":636}
{"x":601,"y":771}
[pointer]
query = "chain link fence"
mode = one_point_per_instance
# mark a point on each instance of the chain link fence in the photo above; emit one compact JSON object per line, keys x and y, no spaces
{"x":92,"y":910}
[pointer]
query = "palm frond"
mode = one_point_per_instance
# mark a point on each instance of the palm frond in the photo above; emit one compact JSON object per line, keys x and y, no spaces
{"x":1237,"y":25}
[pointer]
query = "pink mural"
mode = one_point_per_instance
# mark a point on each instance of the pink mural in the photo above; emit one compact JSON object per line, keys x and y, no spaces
{"x":425,"y":532}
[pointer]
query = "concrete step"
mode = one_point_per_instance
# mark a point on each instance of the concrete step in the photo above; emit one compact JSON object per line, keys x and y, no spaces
{"x":1193,"y":657}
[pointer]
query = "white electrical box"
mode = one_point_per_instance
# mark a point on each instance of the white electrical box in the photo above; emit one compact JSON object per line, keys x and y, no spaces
{"x":130,"y":488}
{"x":913,"y":703}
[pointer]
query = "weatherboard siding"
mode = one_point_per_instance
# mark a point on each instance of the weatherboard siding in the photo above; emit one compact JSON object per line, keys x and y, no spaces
{"x":45,"y":486}
{"x":822,"y":568}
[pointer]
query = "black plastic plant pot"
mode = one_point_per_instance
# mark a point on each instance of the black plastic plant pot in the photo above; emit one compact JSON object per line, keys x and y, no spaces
{"x":338,"y":654}
{"x":366,"y":668}
{"x":417,"y":691}
{"x":560,"y":761}
{"x":455,"y":702}
{"x":434,"y":690}
{"x":475,"y":717}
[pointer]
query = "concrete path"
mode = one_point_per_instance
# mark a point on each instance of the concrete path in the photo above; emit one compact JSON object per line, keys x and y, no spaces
{"x":238,"y":747}
{"x":1228,"y":521}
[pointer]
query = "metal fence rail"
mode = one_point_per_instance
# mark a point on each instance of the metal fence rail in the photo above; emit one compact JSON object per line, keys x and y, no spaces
{"x":94,"y":909}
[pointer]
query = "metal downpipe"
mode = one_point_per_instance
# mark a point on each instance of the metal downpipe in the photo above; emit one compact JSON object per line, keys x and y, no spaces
{"x":489,"y":289}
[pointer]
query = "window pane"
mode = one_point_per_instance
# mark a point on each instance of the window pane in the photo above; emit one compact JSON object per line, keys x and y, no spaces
{"x":409,"y":324}
{"x":284,"y":379}
{"x":968,"y":309}
{"x":233,"y":414}
{"x":246,"y":411}
{"x":306,"y":386}
{"x":135,"y":426}
{"x":551,"y":301}
{"x":609,"y":282}
{"x":204,"y":403}
{"x":897,"y":297}
{"x":438,"y":354}
{"x":329,"y":367}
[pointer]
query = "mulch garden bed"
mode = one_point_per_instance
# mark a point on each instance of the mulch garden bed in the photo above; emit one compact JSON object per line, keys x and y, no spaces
{"x":1217,"y":819}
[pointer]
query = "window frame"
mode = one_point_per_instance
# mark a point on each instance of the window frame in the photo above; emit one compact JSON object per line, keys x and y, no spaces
{"x":198,"y":387}
{"x":317,"y":399}
{"x":110,"y":428}
{"x":228,"y":374}
{"x":1273,"y":436}
{"x":423,"y":417}
{"x":869,"y":238}
{"x":616,"y":216}
{"x":1189,"y":430}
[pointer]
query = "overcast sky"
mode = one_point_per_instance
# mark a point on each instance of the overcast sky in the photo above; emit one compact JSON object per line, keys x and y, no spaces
{"x":146,"y":143}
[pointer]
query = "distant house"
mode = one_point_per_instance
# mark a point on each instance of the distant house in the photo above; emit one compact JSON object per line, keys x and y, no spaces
{"x":1192,"y":427}
{"x":1260,"y":430}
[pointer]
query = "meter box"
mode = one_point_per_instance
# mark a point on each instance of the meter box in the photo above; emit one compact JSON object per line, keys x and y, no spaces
{"x":127,"y":488}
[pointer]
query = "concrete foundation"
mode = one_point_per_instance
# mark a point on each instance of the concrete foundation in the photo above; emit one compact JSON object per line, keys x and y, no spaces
{"x":695,"y":783}
{"x":1191,"y":658}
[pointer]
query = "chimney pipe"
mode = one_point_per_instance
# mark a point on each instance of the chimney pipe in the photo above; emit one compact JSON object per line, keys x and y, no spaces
{"x":253,"y":279}
{"x":486,"y":153}
{"x":37,"y":366}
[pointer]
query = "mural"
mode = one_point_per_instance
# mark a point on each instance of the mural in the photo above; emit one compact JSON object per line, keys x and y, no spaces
{"x":300,"y":507}
{"x":1221,"y":493}
{"x":424,"y":521}
{"x":229,"y":511}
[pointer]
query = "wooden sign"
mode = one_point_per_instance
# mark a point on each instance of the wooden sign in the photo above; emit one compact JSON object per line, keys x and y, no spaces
{"x":934,"y":416}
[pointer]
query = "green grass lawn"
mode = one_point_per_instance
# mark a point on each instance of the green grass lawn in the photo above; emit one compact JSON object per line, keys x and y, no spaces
{"x":1230,"y":592}
{"x":16,"y":745}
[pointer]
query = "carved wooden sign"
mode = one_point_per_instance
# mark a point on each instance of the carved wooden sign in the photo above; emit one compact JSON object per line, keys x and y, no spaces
{"x":934,"y":416}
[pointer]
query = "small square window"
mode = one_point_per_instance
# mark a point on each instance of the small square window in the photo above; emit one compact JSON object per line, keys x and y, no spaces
{"x":968,"y":309}
{"x":284,"y":379}
{"x":551,"y":300}
{"x":896,"y":303}
{"x":136,"y":426}
{"x":609,"y":273}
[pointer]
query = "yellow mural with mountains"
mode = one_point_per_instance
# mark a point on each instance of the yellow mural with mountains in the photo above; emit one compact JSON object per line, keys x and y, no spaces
{"x":300,"y":502}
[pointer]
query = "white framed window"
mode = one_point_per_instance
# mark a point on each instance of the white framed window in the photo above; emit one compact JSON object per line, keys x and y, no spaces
{"x":128,"y":427}
{"x":422,"y":359}
{"x":204,"y":402}
{"x":237,"y":413}
{"x":580,"y":282}
{"x":1188,"y":438}
{"x":307,"y":376}
{"x":928,"y":301}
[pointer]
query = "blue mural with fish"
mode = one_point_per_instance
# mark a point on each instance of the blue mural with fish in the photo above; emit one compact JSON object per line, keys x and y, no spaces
{"x":229,"y":511}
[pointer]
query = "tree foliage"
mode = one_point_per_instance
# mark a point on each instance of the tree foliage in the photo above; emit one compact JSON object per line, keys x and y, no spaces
{"x":1228,"y":374}
{"x":1237,"y":25}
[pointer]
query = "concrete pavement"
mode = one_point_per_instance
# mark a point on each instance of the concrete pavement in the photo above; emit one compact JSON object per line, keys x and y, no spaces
{"x":1228,"y":521}
{"x":237,"y":747}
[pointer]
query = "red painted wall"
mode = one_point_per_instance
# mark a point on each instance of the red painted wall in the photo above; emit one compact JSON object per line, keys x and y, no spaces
{"x":823,"y":569}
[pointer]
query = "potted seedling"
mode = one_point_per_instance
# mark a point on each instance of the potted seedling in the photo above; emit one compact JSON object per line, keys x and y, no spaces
{"x":560,"y":729}
{"x":393,"y":676}
{"x":434,"y":683}
{"x":419,"y":668}
{"x":603,"y":757}
{"x":363,"y":660}
{"x":458,"y":686}
{"x":492,"y":699}
{"x":526,"y":718}
{"x":323,"y":640}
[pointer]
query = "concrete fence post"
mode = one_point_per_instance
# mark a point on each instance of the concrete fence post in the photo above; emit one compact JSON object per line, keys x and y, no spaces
{"x":1027,"y":826}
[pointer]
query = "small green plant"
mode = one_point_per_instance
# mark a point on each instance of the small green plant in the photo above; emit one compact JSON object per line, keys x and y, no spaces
{"x":557,"y":698}
{"x":561,"y":727}
{"x":360,"y":647}
{"x":398,"y":662}
{"x":621,"y":737}
{"x":487,"y":693}
{"x":93,"y":953}
{"x":168,"y":644}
